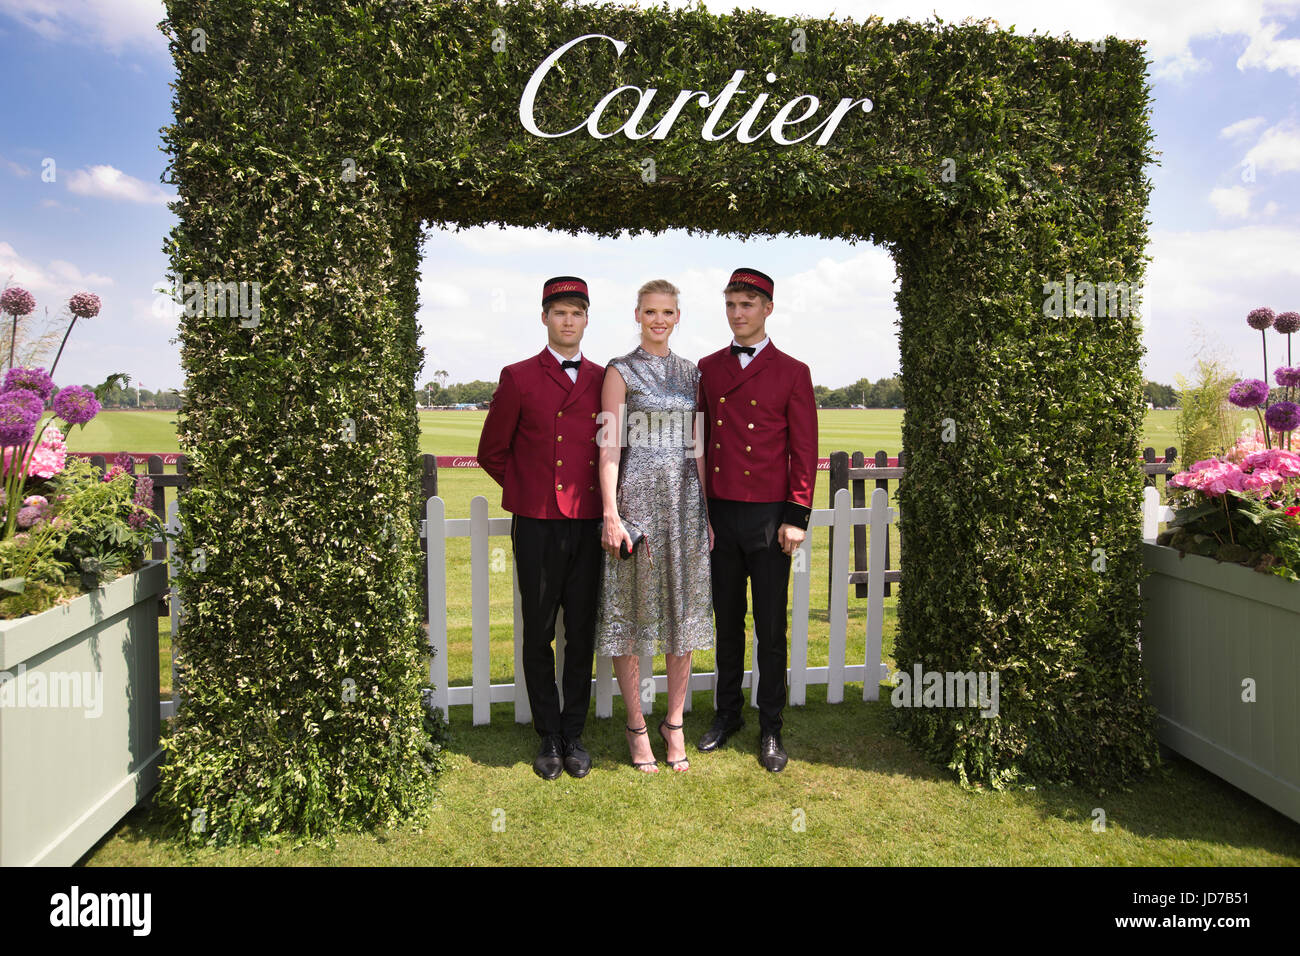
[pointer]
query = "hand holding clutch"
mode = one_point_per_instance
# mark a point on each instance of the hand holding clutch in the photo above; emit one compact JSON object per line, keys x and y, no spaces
{"x":636,"y":536}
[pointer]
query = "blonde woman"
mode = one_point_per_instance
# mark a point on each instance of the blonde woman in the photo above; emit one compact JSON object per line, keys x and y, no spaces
{"x":658,"y":600}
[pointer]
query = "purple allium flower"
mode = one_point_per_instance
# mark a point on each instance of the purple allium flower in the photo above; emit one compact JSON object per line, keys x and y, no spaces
{"x":1260,"y":319}
{"x":29,"y":516}
{"x":17,"y":301}
{"x":142,"y":498}
{"x":28,"y":399}
{"x":1287,"y":322}
{"x":33,"y":379}
{"x":76,"y":405}
{"x":1248,"y":393}
{"x":17,"y":423}
{"x":84,"y":305}
{"x":1283,"y":416}
{"x":1288,"y":377}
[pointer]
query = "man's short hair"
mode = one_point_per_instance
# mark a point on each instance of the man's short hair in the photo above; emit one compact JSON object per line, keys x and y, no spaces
{"x":569,"y":300}
{"x":747,"y":289}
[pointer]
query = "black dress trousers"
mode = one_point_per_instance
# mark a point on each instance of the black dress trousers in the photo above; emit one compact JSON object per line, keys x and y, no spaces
{"x":745,"y":550}
{"x":557,"y":565}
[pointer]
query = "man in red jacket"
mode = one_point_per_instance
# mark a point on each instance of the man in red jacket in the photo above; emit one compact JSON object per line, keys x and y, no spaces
{"x":761,"y":463}
{"x":539,"y":444}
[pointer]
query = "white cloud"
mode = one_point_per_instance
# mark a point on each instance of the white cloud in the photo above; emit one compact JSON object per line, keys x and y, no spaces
{"x":1243,"y":127}
{"x":1233,"y":202}
{"x":106,"y":182}
{"x":18,"y":169}
{"x":112,"y":24}
{"x":50,"y":284}
{"x":493,"y":240}
{"x":1278,"y":149}
{"x":1213,"y":279}
{"x":1265,"y":51}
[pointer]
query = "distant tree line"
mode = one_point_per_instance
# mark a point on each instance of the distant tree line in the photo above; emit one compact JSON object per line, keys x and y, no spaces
{"x":885,"y":393}
{"x":129,"y":397}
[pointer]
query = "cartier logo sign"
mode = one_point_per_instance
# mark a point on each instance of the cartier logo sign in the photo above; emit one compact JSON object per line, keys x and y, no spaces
{"x":642,"y":124}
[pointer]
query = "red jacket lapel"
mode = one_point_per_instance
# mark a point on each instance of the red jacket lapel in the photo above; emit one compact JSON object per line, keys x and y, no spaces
{"x":557,"y":374}
{"x":756,"y":365}
{"x":587,"y":375}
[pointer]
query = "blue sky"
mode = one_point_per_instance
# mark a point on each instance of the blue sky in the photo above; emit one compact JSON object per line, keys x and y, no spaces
{"x":93,"y":81}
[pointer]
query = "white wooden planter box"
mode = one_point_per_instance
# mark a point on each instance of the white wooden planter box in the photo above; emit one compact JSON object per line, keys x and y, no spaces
{"x":1210,"y":631}
{"x":67,"y":773}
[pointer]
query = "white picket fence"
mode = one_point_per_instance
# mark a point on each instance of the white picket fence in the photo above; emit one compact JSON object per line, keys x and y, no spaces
{"x":481,"y":693}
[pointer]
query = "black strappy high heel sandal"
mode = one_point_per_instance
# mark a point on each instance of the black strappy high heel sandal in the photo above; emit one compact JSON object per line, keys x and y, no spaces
{"x":645,"y":763}
{"x":674,"y":764}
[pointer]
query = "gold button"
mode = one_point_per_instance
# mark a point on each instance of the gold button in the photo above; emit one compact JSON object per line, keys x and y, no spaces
{"x":753,"y":402}
{"x":559,"y":414}
{"x":558,"y":463}
{"x":746,"y":448}
{"x":750,"y":425}
{"x":591,"y":487}
{"x":559,"y":487}
{"x":716,"y":468}
{"x":593,"y":414}
{"x":716,"y":445}
{"x":719,"y":421}
{"x":747,"y":474}
{"x":591,"y":462}
{"x":561,"y":437}
{"x":723,"y":398}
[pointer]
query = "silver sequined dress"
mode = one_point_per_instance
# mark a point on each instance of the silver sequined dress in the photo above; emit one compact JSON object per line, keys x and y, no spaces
{"x":667,"y":606}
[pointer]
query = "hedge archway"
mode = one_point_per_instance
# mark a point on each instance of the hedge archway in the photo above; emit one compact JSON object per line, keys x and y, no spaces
{"x":314,"y":139}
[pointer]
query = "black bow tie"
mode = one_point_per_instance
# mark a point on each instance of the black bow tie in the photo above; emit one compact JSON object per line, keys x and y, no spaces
{"x":747,"y":349}
{"x":571,"y":363}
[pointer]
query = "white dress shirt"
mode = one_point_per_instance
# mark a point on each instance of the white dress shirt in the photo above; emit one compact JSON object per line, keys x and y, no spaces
{"x":746,"y":359}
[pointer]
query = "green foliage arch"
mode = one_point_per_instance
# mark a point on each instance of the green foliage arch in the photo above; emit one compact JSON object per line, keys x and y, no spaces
{"x":314,"y":139}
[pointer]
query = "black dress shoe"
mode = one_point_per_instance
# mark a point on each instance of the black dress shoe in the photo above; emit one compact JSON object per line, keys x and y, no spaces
{"x":771,"y":754}
{"x":548,"y":764}
{"x":576,"y":759}
{"x":718,"y":732}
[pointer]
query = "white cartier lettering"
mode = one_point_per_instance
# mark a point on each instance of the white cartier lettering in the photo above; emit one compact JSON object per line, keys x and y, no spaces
{"x":717,"y":106}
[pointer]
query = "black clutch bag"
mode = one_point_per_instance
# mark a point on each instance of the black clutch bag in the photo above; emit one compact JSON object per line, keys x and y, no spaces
{"x":624,"y":551}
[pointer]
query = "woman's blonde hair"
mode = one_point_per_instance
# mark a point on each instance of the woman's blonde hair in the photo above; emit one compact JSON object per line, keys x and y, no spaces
{"x":657,"y":287}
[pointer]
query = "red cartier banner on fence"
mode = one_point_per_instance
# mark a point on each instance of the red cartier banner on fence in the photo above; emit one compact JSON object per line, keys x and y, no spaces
{"x":139,"y":457}
{"x":444,"y":461}
{"x":469,"y":461}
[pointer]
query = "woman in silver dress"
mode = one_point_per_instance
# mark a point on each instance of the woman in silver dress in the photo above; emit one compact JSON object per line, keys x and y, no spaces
{"x":658,"y":601}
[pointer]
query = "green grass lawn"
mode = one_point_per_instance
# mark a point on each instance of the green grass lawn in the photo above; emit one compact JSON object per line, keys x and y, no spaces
{"x":864,"y":796}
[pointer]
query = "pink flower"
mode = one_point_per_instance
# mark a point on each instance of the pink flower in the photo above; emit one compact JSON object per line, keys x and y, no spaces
{"x":1285,"y":463}
{"x":113,"y":473}
{"x":49,"y":458}
{"x":1263,"y":478}
{"x":1211,"y":477}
